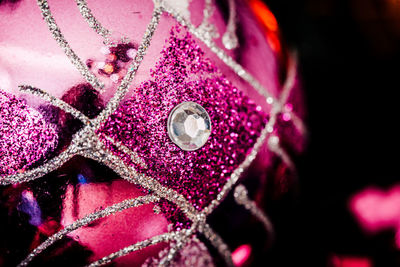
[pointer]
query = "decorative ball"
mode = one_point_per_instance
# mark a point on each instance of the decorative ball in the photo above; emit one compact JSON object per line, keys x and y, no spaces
{"x":93,"y":172}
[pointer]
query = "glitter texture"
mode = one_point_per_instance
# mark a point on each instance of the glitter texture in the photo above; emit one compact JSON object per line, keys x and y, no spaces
{"x":134,"y":141}
{"x":184,"y":74}
{"x":195,"y":253}
{"x":25,"y":137}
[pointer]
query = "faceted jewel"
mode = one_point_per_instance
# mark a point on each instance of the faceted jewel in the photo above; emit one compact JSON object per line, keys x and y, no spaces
{"x":189,"y":126}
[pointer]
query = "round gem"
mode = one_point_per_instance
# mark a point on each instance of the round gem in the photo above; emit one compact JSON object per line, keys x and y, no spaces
{"x":189,"y":126}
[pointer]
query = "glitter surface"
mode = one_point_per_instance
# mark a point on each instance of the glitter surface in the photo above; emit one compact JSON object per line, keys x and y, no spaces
{"x":25,"y":137}
{"x":195,"y":253}
{"x":134,"y":143}
{"x":184,"y":74}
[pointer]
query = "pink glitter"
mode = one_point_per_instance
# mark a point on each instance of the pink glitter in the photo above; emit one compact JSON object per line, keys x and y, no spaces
{"x":25,"y":137}
{"x":184,"y":74}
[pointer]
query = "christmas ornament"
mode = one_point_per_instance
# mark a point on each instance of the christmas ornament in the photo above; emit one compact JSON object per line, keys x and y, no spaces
{"x":128,"y":159}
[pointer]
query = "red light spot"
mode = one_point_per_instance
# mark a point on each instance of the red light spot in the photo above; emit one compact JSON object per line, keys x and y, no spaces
{"x":263,"y":13}
{"x":268,"y":21}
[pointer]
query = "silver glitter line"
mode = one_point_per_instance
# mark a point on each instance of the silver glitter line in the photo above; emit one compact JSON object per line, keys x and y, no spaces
{"x":207,"y":29}
{"x":242,"y":198}
{"x":268,"y":129}
{"x":241,"y":168}
{"x":274,"y":146}
{"x":273,"y":141}
{"x":229,"y":61}
{"x":87,"y":144}
{"x":137,"y":246}
{"x":288,"y":87}
{"x":126,"y":204}
{"x":179,"y":244}
{"x":218,"y":243}
{"x":241,"y":72}
{"x":62,"y":42}
{"x":277,"y":105}
{"x":55,"y":102}
{"x":230,"y":39}
{"x":99,"y":153}
{"x":207,"y":12}
{"x":173,"y":252}
{"x":87,"y":14}
{"x":38,"y":172}
{"x":113,"y":104}
{"x":290,"y":77}
{"x":121,"y":147}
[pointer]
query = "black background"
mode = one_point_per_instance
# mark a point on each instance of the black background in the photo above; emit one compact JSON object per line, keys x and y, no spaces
{"x":349,"y":60}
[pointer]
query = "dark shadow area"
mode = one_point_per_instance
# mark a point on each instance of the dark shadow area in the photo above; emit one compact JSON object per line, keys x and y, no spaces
{"x":349,"y":54}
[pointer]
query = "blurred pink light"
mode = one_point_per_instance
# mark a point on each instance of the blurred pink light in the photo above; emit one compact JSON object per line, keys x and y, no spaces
{"x":349,"y":261}
{"x":241,"y":255}
{"x":286,"y":116}
{"x":376,"y":209}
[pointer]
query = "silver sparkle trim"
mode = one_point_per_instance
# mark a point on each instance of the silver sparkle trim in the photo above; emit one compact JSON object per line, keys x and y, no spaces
{"x":121,"y":147}
{"x":242,"y":167}
{"x":44,"y":169}
{"x":126,"y":204}
{"x":229,"y":61}
{"x":62,"y":42}
{"x":87,"y":14}
{"x":218,"y":243}
{"x":139,"y":245}
{"x":55,"y":102}
{"x":113,"y":104}
{"x":207,"y":29}
{"x":87,"y":144}
{"x":287,"y":88}
{"x":194,"y":253}
{"x":86,"y":139}
{"x":79,"y":115}
{"x":230,"y":39}
{"x":176,"y":247}
{"x":274,"y":146}
{"x":242,"y":198}
{"x":235,"y":66}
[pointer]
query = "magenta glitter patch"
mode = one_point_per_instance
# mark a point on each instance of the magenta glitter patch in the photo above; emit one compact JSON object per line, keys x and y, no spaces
{"x":25,"y":137}
{"x":184,"y":74}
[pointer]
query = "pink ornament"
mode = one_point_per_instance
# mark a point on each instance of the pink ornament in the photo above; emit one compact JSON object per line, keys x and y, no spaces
{"x":125,"y":191}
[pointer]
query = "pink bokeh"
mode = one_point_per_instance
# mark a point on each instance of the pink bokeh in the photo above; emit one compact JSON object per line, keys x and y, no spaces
{"x":376,"y":209}
{"x":241,"y":255}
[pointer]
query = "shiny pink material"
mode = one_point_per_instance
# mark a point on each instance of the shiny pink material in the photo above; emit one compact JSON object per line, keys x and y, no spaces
{"x":29,"y":55}
{"x":108,"y":235}
{"x":184,"y":74}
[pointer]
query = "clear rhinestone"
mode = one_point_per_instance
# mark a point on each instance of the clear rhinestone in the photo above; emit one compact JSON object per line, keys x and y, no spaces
{"x":189,"y":126}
